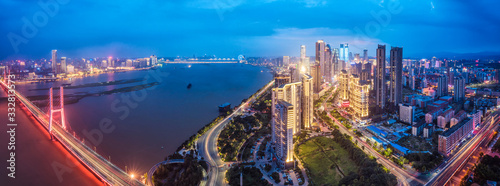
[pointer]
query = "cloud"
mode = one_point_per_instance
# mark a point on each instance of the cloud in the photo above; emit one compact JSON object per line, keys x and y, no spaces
{"x":287,"y":41}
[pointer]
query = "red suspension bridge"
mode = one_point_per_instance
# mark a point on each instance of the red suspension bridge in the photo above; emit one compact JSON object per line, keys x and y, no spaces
{"x":99,"y":166}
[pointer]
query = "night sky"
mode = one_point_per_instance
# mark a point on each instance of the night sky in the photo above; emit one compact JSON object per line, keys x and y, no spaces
{"x":227,"y":28}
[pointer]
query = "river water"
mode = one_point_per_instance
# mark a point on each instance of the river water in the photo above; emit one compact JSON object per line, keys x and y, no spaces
{"x":138,"y":129}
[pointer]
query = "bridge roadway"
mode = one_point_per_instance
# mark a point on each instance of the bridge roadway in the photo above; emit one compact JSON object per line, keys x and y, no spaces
{"x":207,"y":144}
{"x":99,"y":166}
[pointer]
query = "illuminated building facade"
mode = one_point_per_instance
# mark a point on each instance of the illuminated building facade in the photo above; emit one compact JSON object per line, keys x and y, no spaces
{"x":396,"y":76}
{"x":320,"y":57}
{"x":359,"y":92}
{"x":450,"y":138}
{"x":307,"y":101}
{"x":315,"y":72}
{"x":343,"y":86}
{"x":291,"y":93}
{"x":63,"y":65}
{"x":283,"y":119}
{"x":54,"y":61}
{"x":380,"y":77}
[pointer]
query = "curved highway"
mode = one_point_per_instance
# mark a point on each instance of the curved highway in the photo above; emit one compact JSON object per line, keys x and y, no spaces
{"x":207,"y":143}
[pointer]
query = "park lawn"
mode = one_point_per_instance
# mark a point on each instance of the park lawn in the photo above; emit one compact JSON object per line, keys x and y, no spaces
{"x":321,"y":165}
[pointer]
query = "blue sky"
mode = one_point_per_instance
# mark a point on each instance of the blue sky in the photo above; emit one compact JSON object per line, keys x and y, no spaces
{"x":227,"y":28}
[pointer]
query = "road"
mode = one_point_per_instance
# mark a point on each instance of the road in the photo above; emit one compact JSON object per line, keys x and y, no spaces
{"x":153,"y":169}
{"x":207,"y":143}
{"x":460,"y":158}
{"x":98,"y":165}
{"x":401,"y":174}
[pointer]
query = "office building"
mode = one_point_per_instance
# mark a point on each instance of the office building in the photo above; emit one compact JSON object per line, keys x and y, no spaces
{"x":320,"y":56}
{"x":346,"y":53}
{"x":54,"y":61}
{"x":63,"y":65}
{"x":315,"y":72}
{"x":304,"y":65}
{"x":450,"y":138}
{"x":328,"y":63}
{"x":365,"y":55}
{"x":380,"y":77}
{"x":396,"y":75}
{"x":342,"y":53}
{"x":335,"y":60}
{"x":307,"y":101}
{"x":458,"y":89}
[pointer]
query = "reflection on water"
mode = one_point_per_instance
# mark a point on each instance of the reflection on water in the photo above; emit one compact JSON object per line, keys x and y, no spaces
{"x":131,"y":126}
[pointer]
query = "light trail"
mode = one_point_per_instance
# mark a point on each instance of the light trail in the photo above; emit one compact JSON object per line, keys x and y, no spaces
{"x":99,"y":166}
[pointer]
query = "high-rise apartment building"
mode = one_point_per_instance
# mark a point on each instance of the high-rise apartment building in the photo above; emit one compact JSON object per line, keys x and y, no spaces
{"x":343,"y":86}
{"x":291,"y":93}
{"x":283,"y":120}
{"x":307,"y":101}
{"x":359,"y":93}
{"x":396,"y":76}
{"x":458,"y":89}
{"x":380,"y":77}
{"x":442,"y":88}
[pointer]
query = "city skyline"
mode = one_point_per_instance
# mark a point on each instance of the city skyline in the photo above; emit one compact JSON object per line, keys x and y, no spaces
{"x":230,"y":28}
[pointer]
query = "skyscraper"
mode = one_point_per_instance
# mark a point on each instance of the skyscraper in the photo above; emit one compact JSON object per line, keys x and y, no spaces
{"x":458,"y":89}
{"x":283,"y":133}
{"x":307,"y":101}
{"x":154,"y":60}
{"x":335,"y":61}
{"x":365,"y":55}
{"x":442,"y":89}
{"x":346,"y":53}
{"x":54,"y":61}
{"x":342,"y":52}
{"x":358,"y":97}
{"x":380,"y":77}
{"x":328,"y":64}
{"x":315,"y":71}
{"x":63,"y":65}
{"x":291,"y":93}
{"x":396,"y":75}
{"x":343,"y":85}
{"x":304,"y":61}
{"x":320,"y":56}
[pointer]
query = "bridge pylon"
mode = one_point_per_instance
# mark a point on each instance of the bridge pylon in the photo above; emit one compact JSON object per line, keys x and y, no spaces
{"x":52,"y":110}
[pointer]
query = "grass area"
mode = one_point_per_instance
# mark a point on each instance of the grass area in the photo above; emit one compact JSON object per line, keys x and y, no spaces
{"x":321,"y":156}
{"x":251,"y":176}
{"x":416,"y":143}
{"x":187,"y":173}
